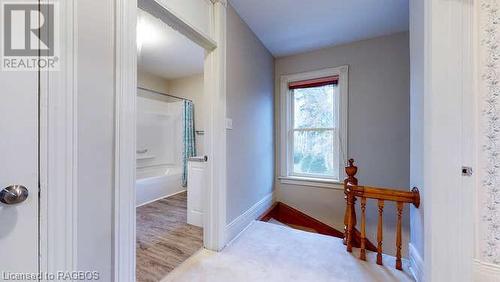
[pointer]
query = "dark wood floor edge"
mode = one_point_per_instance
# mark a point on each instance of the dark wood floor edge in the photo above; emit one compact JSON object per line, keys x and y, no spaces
{"x":268,"y":214}
{"x":289,"y":215}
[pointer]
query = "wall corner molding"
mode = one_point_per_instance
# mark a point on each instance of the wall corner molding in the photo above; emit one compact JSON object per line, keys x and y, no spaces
{"x":416,"y":264}
{"x":222,"y":2}
{"x":239,"y":224}
{"x":486,"y":272}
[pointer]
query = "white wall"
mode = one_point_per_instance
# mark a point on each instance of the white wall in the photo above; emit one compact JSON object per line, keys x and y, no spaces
{"x":378,"y":126}
{"x":250,"y":154}
{"x":95,"y":108}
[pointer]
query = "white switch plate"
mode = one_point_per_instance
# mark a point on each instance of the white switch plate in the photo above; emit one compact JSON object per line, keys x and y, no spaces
{"x":229,"y":123}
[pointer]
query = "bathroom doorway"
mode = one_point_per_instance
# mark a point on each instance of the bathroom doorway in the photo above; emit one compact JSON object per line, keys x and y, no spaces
{"x":170,"y":156}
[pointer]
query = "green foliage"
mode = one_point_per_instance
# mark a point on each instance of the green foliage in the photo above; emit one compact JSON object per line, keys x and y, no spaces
{"x":313,"y":149}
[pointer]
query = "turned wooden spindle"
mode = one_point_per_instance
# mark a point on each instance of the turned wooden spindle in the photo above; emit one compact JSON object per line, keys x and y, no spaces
{"x":399,"y":264}
{"x":350,"y":220}
{"x":379,"y":231}
{"x":350,"y":211}
{"x":362,"y":254}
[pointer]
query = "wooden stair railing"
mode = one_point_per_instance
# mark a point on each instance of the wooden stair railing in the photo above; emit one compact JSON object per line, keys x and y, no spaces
{"x":353,"y":191}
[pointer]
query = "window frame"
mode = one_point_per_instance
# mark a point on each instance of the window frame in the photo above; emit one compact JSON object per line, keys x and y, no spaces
{"x":287,"y":130}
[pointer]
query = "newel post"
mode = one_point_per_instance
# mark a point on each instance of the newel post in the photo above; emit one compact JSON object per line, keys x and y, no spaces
{"x":350,"y":210}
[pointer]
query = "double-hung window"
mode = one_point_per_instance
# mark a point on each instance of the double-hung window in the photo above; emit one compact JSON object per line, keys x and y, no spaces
{"x":313,"y":145}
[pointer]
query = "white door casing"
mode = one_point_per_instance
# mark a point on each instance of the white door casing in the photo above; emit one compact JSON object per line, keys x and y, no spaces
{"x":125,"y":135}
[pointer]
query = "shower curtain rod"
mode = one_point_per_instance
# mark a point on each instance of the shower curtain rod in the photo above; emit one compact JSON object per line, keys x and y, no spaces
{"x":164,"y":94}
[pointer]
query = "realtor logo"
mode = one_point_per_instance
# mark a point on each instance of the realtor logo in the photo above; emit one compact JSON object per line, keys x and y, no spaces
{"x":29,"y":36}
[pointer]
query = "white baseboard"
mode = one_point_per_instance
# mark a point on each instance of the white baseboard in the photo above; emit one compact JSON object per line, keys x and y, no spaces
{"x":239,"y":224}
{"x":486,"y":272}
{"x":416,"y":264}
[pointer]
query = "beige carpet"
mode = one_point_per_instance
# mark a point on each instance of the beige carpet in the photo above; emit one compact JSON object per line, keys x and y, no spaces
{"x":274,"y":253}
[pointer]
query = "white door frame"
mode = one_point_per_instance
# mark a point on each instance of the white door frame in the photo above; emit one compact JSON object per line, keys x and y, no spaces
{"x":125,"y":135}
{"x":58,"y":150}
{"x":449,"y":96}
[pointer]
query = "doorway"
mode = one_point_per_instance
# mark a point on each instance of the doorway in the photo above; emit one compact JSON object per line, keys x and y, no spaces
{"x":170,"y":118}
{"x":212,"y":40}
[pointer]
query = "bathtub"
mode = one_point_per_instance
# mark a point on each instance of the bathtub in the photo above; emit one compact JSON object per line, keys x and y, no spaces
{"x":157,"y":182}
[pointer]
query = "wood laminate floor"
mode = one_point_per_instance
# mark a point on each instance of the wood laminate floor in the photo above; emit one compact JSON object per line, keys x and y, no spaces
{"x":164,"y":239}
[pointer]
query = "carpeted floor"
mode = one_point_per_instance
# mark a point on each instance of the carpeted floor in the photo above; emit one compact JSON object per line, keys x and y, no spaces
{"x":274,"y":253}
{"x":164,"y":239}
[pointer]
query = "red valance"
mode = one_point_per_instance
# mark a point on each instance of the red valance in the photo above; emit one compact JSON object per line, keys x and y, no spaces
{"x":317,"y":82}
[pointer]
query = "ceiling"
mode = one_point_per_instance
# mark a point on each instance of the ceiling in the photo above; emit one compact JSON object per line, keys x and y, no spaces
{"x":164,"y":52}
{"x":289,"y":27}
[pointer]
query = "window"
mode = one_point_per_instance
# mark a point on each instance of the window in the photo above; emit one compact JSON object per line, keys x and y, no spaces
{"x":315,"y":118}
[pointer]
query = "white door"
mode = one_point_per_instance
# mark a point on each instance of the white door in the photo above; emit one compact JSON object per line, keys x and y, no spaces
{"x":18,"y":166}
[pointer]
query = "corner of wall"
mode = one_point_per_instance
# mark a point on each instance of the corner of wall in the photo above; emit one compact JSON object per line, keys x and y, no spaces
{"x":239,"y":224}
{"x":416,"y":264}
{"x":486,"y":272}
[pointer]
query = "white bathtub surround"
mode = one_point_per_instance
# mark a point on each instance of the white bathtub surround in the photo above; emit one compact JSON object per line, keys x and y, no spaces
{"x":155,"y":183}
{"x":159,"y":132}
{"x":269,"y":252}
{"x":159,"y":148}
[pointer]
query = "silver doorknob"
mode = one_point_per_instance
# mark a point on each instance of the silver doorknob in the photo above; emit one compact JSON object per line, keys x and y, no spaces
{"x":13,"y":194}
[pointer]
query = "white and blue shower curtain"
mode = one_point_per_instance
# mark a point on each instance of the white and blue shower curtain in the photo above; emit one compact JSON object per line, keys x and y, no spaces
{"x":188,"y":138}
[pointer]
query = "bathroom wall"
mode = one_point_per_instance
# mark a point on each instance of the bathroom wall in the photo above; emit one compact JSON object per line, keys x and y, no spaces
{"x":151,"y":81}
{"x":191,"y":87}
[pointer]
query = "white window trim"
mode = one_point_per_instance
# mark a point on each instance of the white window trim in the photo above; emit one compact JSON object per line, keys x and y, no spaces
{"x":286,"y":121}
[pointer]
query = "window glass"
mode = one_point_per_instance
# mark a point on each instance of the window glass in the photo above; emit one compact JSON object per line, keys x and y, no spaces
{"x":315,"y":150}
{"x":313,"y":107}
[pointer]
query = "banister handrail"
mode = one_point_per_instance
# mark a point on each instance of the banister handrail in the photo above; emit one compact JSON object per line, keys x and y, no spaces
{"x":411,"y":197}
{"x":352,"y":191}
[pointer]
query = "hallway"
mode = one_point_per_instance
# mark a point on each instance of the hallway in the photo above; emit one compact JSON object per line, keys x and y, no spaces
{"x":271,"y":252}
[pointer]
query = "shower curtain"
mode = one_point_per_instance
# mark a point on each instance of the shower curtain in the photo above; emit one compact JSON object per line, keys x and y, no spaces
{"x":188,"y":138}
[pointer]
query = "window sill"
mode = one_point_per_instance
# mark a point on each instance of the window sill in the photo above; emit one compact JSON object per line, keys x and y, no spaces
{"x":312,"y":182}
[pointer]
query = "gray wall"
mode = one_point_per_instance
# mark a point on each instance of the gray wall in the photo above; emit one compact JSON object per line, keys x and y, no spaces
{"x":379,"y":124}
{"x":95,"y":61}
{"x":417,"y":116}
{"x":250,"y":146}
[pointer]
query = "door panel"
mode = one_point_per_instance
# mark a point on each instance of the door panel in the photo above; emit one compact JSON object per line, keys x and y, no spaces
{"x":19,"y":165}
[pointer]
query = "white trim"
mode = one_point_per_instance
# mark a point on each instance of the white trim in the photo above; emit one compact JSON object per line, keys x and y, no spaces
{"x":416,"y":263}
{"x":486,"y":272}
{"x":286,"y":116}
{"x":239,"y":224}
{"x":175,"y":21}
{"x":124,"y":232}
{"x":161,"y":198}
{"x":448,"y":91}
{"x":215,"y":85}
{"x":312,"y":182}
{"x":58,"y":151}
